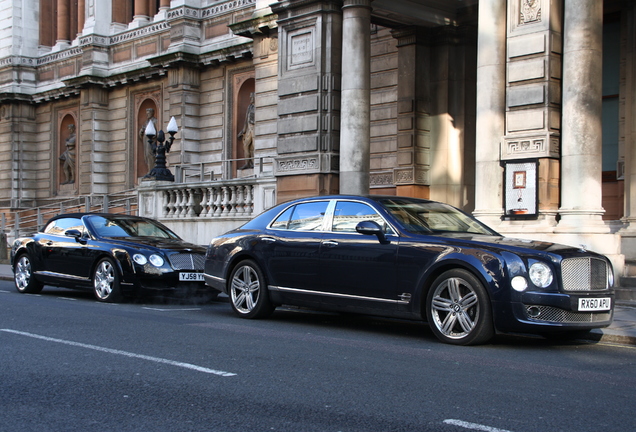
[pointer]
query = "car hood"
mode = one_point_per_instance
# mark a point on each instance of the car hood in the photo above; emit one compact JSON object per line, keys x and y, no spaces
{"x":516,"y":245}
{"x":158,"y":243}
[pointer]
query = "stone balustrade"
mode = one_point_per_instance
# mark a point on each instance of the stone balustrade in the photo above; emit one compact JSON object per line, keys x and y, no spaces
{"x":202,"y":210}
{"x":211,"y":201}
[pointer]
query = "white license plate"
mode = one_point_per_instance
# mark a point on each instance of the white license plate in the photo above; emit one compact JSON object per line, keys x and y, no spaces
{"x":595,"y":304}
{"x":192,"y":277}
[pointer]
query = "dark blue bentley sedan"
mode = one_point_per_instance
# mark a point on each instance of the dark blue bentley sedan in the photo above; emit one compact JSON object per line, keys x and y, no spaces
{"x":409,"y":258}
{"x":114,"y":255}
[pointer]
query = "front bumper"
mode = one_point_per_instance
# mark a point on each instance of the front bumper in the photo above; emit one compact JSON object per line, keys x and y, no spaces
{"x":535,"y":312}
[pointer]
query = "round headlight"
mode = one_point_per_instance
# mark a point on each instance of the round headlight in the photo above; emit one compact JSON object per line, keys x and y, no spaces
{"x":519,"y":283}
{"x":610,"y":278}
{"x":540,"y":274}
{"x":156,"y":260}
{"x":140,"y":259}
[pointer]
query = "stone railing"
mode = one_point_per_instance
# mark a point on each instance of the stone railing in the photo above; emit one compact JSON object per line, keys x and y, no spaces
{"x":199,"y":211}
{"x":207,"y":201}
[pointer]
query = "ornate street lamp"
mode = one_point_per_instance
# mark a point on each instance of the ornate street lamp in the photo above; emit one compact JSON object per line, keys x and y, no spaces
{"x":159,"y":148}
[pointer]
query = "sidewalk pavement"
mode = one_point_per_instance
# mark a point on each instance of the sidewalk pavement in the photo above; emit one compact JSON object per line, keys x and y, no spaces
{"x":622,"y":330}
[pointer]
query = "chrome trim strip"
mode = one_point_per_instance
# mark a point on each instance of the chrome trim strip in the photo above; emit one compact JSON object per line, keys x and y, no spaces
{"x":61,"y":275}
{"x":216,"y":278}
{"x":328,"y":294}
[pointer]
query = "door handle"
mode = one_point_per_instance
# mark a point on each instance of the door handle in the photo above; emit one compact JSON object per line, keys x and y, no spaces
{"x":268,"y":239}
{"x":330,"y":243}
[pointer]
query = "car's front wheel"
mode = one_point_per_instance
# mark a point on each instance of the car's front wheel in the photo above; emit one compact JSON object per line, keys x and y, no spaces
{"x":248,"y":291}
{"x":458,"y":309}
{"x":106,"y":281}
{"x":23,"y":277}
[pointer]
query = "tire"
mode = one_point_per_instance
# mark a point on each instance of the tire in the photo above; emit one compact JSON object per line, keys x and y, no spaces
{"x":23,"y":277}
{"x":458,"y":309}
{"x":248,"y":291}
{"x":106,"y":282}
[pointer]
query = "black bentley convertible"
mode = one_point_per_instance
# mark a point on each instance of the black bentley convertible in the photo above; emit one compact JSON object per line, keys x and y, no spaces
{"x":114,"y":255}
{"x":409,"y":258}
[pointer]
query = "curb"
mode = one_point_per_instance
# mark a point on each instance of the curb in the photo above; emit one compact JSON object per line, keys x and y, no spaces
{"x":597,"y":335}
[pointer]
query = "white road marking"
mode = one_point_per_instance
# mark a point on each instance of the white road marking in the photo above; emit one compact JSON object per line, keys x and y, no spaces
{"x":473,"y":426}
{"x":124,"y":353}
{"x":169,"y":310}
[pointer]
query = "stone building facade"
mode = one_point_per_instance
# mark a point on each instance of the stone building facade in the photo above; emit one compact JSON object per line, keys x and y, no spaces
{"x":519,"y":111}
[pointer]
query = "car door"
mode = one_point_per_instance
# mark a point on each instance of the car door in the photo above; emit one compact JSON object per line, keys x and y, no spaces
{"x":358,"y":270}
{"x":291,"y":247}
{"x":66,"y":257}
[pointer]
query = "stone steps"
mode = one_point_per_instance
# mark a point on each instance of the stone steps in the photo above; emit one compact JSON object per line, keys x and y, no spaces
{"x":626,"y":289}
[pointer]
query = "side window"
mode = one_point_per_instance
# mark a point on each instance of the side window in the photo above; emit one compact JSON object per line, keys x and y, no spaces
{"x":308,"y":216}
{"x":59,"y":226}
{"x":349,"y":214}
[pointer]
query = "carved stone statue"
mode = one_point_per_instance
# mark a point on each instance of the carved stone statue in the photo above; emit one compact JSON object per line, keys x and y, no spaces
{"x":68,"y":157}
{"x":149,"y":148}
{"x":248,"y":135}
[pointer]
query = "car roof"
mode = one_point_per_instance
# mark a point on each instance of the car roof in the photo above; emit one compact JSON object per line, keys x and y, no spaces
{"x":106,"y":215}
{"x":364,"y":197}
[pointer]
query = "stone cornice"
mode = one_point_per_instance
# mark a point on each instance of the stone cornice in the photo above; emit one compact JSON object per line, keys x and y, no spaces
{"x":256,"y":26}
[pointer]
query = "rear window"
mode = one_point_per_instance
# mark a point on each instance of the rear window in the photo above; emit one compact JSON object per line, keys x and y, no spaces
{"x":302,"y":217}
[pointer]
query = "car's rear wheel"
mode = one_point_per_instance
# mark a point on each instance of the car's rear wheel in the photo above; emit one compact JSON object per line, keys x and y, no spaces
{"x":248,"y":291}
{"x":106,"y":281}
{"x":23,"y":277}
{"x":458,"y":309}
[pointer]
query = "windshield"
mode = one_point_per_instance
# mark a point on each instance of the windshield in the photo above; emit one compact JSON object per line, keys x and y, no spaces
{"x":424,"y":217}
{"x":128,"y":227}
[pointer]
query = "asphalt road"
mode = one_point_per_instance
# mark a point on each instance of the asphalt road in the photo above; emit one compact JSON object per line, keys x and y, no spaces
{"x":68,"y":363}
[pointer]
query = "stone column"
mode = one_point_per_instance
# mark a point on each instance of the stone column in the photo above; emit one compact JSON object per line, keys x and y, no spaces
{"x":81,"y":16}
{"x":141,"y":15}
{"x":628,"y":126}
{"x":141,"y":8}
{"x":63,"y":22}
{"x":164,"y":4}
{"x":355,"y":147}
{"x":581,"y":154}
{"x":491,"y":106}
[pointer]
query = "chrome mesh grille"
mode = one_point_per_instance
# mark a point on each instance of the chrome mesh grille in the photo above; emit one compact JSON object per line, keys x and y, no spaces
{"x":584,"y":274}
{"x":187,"y":261}
{"x":552,"y":314}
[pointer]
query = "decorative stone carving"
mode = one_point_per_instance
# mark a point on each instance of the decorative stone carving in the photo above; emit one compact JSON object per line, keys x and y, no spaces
{"x":530,"y":11}
{"x":530,"y":147}
{"x":381,"y":179}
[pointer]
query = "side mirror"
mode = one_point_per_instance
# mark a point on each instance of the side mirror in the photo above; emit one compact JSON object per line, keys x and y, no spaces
{"x":74,"y":233}
{"x":372,"y":228}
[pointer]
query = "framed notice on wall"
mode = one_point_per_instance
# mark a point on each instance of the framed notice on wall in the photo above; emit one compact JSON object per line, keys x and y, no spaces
{"x":521,"y":184}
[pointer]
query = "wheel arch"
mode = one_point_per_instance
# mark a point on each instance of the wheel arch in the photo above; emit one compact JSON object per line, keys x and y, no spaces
{"x":473,"y":266}
{"x":116,"y":257}
{"x":236,"y":259}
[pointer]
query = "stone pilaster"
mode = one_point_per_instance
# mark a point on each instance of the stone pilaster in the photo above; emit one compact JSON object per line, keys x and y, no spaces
{"x":99,"y":15}
{"x":533,"y":89}
{"x":411,"y":176}
{"x":581,"y":155}
{"x":19,"y":154}
{"x":95,"y":142}
{"x":309,"y":66}
{"x":184,"y":104}
{"x":491,"y":106}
